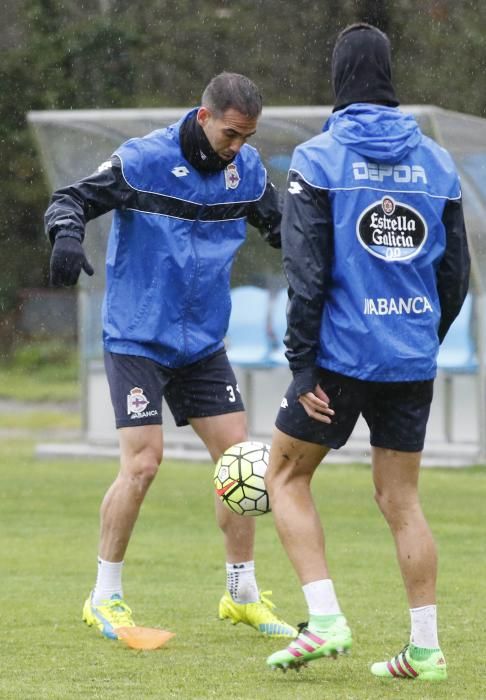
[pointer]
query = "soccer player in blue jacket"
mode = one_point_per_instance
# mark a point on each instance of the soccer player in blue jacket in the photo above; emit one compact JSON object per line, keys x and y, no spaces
{"x":376,"y":257}
{"x":181,"y":197}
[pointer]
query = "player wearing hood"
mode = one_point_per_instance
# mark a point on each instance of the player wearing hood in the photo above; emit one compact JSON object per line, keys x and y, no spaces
{"x":376,"y":257}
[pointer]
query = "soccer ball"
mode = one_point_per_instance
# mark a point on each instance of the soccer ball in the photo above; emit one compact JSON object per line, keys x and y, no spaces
{"x":238,"y":478}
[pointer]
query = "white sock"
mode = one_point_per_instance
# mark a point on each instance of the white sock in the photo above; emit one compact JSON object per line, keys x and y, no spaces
{"x":321,"y":598}
{"x":424,"y":627}
{"x":108,"y":581}
{"x":241,"y":582}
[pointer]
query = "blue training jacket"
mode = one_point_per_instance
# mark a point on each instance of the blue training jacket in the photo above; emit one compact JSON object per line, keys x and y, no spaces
{"x":374,"y":247}
{"x":169,"y":258}
{"x":174,"y":236}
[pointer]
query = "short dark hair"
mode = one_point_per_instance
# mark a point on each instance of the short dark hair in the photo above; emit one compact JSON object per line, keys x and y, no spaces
{"x":232,"y":91}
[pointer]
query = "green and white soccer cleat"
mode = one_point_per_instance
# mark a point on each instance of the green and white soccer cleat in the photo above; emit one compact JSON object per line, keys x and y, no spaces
{"x":108,"y":615}
{"x":259,"y":615}
{"x":414,"y":663}
{"x":313,"y":644}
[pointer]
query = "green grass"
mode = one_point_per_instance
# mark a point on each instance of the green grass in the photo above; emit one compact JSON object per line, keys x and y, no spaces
{"x":40,"y":420}
{"x":41,"y":384}
{"x":40,"y":369}
{"x":174,"y":576}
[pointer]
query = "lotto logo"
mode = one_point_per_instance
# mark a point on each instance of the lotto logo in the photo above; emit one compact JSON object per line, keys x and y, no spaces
{"x":180,"y":171}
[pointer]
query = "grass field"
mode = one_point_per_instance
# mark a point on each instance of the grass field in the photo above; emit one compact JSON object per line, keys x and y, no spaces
{"x":174,"y":575}
{"x":46,"y":384}
{"x":40,"y":370}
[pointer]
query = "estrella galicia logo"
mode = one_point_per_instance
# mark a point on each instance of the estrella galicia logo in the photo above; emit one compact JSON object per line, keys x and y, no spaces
{"x":391,"y":230}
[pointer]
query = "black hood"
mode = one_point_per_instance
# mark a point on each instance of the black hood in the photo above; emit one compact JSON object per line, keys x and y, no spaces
{"x":361,"y":67}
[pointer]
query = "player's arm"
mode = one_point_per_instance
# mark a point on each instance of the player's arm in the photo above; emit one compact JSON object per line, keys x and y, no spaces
{"x":454,"y":268}
{"x":307,"y":234}
{"x":69,"y":211}
{"x":266,"y":216}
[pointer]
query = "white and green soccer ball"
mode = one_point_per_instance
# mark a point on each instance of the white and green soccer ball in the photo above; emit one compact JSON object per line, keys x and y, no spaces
{"x":239,"y":478}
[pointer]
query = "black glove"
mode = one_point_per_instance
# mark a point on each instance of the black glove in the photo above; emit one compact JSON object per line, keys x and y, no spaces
{"x":67,"y":261}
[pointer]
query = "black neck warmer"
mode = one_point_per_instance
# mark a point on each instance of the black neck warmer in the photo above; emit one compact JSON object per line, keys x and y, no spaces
{"x":361,"y":68}
{"x":197,"y":149}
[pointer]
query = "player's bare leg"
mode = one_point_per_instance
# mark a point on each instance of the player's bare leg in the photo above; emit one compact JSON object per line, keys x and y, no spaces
{"x":292,"y":465}
{"x":242,"y":601}
{"x":396,"y":476}
{"x":140,"y":456}
{"x":218,"y":433}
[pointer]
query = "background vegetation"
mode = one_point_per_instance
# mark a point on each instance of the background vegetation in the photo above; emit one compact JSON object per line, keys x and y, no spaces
{"x":67,"y":54}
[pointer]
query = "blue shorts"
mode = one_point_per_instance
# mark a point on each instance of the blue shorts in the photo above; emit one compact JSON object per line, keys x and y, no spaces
{"x":396,"y":412}
{"x":137,"y":385}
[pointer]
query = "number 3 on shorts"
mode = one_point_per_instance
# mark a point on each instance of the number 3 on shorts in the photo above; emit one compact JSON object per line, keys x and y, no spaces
{"x":231,"y":392}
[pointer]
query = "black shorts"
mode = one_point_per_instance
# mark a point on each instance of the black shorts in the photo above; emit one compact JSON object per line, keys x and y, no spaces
{"x":137,"y":385}
{"x":396,"y":412}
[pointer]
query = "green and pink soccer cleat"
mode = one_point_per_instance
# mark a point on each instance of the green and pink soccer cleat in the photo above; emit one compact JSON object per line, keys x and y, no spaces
{"x":413,"y":663}
{"x":313,"y":644}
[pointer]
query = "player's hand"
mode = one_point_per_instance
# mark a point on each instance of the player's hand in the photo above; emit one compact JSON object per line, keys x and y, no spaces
{"x":316,"y":405}
{"x":67,"y":261}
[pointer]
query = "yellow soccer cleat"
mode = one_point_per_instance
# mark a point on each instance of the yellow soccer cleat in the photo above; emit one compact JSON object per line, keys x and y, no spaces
{"x":259,"y":615}
{"x":108,"y":615}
